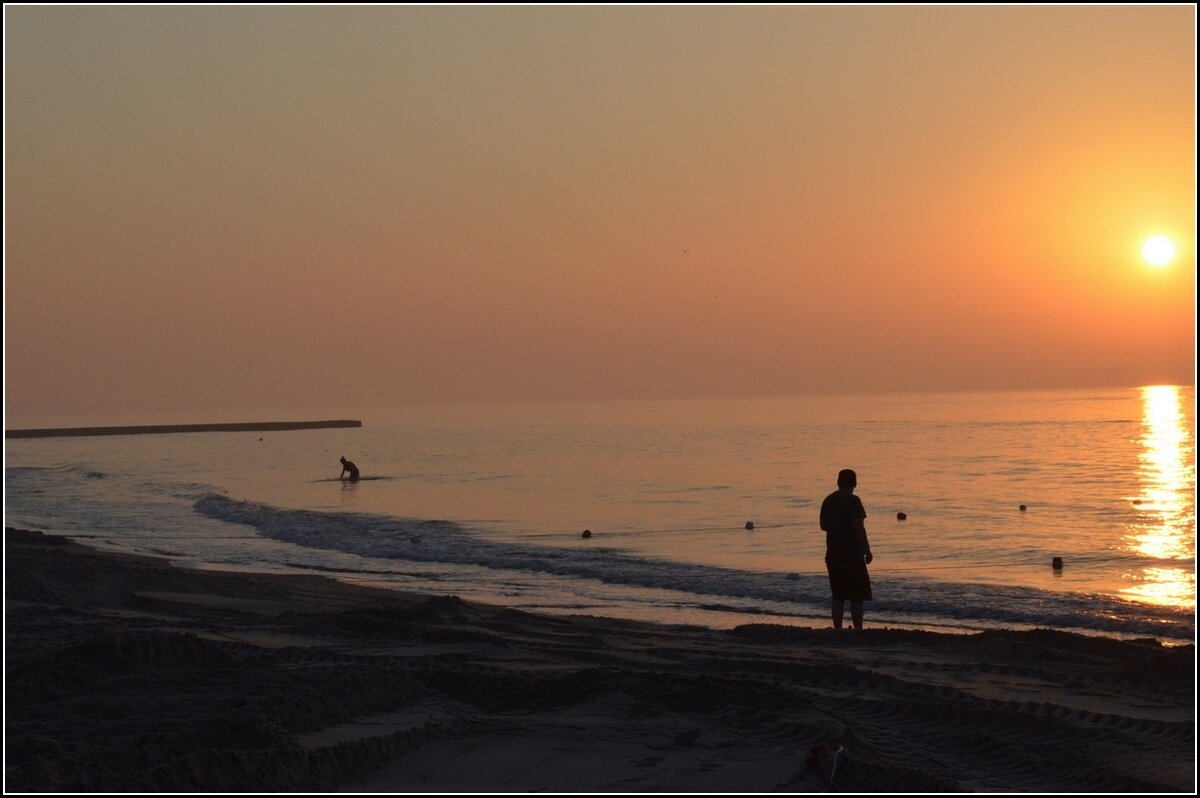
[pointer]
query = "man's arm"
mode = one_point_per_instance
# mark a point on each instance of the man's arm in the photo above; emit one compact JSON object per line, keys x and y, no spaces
{"x":860,"y":534}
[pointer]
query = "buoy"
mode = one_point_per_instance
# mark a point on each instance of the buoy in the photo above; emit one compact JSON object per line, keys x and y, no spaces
{"x":749,"y":525}
{"x":793,"y":577}
{"x":901,"y":516}
{"x":587,"y":533}
{"x":1022,"y":508}
{"x":1056,"y":563}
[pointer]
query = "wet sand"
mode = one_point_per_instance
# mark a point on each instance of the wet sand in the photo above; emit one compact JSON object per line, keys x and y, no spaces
{"x":127,"y":674}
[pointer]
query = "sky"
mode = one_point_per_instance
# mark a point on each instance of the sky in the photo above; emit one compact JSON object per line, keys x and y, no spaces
{"x":266,"y":208}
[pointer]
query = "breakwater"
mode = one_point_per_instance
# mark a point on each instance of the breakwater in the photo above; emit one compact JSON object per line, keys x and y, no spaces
{"x":160,"y":429}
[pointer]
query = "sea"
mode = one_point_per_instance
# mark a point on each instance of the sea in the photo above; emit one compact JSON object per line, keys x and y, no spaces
{"x":698,"y":511}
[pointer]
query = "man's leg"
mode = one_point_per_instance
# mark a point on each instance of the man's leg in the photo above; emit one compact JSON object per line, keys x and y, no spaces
{"x":839,"y":608}
{"x":856,"y":615}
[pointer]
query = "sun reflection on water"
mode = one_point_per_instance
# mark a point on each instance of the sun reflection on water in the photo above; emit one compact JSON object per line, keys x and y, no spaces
{"x":1166,"y":529}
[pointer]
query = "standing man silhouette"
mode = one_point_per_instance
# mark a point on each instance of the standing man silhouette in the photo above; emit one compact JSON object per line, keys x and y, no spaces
{"x":847,"y":551}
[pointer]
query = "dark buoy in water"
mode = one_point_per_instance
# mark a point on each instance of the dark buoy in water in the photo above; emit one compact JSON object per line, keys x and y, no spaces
{"x":587,"y":533}
{"x":793,"y":577}
{"x":901,"y":516}
{"x":1022,"y":508}
{"x":749,"y":525}
{"x":1056,"y":563}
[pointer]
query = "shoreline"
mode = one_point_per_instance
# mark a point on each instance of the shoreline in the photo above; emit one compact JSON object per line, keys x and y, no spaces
{"x":125,"y":673}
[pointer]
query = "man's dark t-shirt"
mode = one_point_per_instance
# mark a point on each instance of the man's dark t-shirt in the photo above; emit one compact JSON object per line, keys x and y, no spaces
{"x":838,"y":512}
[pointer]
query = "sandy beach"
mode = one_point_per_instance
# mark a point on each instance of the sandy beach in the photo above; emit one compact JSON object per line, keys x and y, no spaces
{"x":127,"y":674}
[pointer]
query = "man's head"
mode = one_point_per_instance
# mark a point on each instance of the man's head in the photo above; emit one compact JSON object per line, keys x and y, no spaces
{"x":343,"y":459}
{"x":847,"y":479}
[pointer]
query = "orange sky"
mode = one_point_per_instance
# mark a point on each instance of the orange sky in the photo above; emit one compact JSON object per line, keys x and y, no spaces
{"x":261,"y":209}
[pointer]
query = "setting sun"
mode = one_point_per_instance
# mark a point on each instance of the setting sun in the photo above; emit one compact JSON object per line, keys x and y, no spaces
{"x":1158,"y":250}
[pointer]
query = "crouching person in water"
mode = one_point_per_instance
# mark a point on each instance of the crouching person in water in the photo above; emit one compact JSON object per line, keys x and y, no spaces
{"x":351,"y":467}
{"x":847,"y":552}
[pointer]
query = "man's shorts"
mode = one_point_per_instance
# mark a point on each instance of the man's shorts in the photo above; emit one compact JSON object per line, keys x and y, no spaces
{"x":848,"y":576}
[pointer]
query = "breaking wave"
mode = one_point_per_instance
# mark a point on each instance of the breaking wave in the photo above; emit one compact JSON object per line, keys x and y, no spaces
{"x":431,"y":541}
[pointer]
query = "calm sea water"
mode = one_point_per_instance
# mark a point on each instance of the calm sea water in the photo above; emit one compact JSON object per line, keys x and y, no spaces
{"x":490,"y":503}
